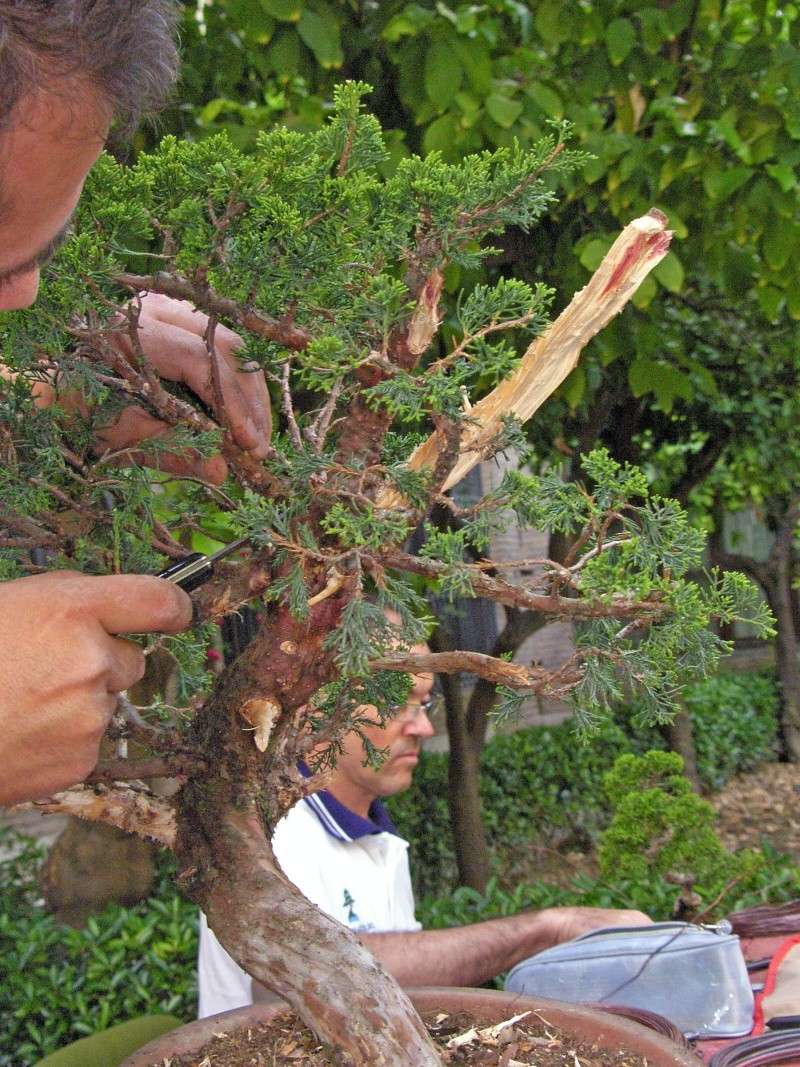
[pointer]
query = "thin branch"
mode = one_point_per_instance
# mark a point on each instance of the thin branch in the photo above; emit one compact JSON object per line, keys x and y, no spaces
{"x":130,"y":770}
{"x":484,"y":331}
{"x":499,"y":671}
{"x":283,"y":331}
{"x":287,"y":406}
{"x":551,"y":604}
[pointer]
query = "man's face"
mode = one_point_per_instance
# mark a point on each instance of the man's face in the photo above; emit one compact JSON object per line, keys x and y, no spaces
{"x":400,"y":738}
{"x":44,"y":159}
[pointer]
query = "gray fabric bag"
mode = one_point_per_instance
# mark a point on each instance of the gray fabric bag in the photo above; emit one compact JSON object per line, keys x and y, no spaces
{"x":696,"y":976}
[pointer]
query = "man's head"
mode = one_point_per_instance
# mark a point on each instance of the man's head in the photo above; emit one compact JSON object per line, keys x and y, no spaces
{"x":355,"y":785}
{"x":68,"y":69}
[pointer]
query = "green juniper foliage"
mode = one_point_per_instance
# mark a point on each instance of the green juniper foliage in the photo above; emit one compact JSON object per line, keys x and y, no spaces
{"x":661,"y":829}
{"x":321,"y":262}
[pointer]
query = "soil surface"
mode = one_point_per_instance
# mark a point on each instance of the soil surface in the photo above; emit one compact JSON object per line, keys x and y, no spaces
{"x":763,"y":805}
{"x":463,"y":1043}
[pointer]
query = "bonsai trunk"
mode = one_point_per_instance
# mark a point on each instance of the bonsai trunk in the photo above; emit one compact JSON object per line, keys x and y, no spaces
{"x":225,"y":820}
{"x":289,"y":945}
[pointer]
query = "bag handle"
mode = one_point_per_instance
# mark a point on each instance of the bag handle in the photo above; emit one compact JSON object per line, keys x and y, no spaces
{"x":678,"y":927}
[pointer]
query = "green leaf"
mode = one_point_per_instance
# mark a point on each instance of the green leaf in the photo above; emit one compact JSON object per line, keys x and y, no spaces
{"x":285,"y":10}
{"x":321,"y":34}
{"x":503,"y":109}
{"x":778,"y":242}
{"x":770,"y":298}
{"x":669,"y":273}
{"x":645,"y":293}
{"x":443,"y":74}
{"x":592,"y":253}
{"x":547,"y":99}
{"x":620,"y":39}
{"x":551,"y":25}
{"x":783,"y":174}
{"x":665,"y":382}
{"x":721,"y":183}
{"x":441,"y":135}
{"x":476,"y":61}
{"x":284,"y":53}
{"x":574,"y":388}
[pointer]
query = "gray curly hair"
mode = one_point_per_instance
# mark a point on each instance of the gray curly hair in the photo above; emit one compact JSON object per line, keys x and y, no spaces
{"x":124,"y":50}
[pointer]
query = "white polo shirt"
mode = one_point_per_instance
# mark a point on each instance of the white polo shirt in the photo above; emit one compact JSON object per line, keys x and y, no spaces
{"x":353,"y":869}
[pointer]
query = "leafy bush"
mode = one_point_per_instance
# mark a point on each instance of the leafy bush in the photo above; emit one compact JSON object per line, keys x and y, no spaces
{"x":60,"y":984}
{"x":735,"y":719}
{"x":541,"y":782}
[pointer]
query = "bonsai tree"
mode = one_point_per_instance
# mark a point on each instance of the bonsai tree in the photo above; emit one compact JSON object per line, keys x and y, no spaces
{"x":334,"y":274}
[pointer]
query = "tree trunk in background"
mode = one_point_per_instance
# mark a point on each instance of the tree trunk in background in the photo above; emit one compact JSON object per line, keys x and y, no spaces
{"x":679,"y":735}
{"x":467,"y":726}
{"x":775,"y":577}
{"x":463,"y":775}
{"x":787,"y":652}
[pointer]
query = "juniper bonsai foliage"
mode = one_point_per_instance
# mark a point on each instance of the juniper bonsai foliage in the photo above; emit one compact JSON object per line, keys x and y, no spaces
{"x":661,"y":830}
{"x":334,"y":274}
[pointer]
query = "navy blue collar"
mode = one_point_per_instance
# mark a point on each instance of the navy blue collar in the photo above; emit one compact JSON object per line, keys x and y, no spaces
{"x":341,"y":822}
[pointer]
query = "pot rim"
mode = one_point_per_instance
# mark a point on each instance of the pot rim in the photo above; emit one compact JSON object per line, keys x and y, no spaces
{"x":491,"y":1005}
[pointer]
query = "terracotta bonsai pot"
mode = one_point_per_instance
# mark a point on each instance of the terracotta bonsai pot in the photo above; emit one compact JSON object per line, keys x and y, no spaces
{"x":487,"y":1005}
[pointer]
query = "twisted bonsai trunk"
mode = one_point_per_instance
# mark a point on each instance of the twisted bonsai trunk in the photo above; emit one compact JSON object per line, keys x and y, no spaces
{"x":225,"y":819}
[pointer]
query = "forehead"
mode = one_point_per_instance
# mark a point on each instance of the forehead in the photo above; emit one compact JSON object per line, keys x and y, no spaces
{"x":44,"y":159}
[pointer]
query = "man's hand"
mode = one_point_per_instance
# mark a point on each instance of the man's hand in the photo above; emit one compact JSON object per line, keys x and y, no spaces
{"x":62,"y":668}
{"x":567,"y":923}
{"x":171,"y":335}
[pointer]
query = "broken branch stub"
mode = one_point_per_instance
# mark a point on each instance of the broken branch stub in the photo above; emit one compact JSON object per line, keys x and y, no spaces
{"x":554,"y":354}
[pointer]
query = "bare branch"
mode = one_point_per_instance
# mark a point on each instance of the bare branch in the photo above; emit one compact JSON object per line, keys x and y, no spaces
{"x":500,"y":671}
{"x":283,"y":331}
{"x":130,"y":770}
{"x":552,"y":604}
{"x":128,"y":809}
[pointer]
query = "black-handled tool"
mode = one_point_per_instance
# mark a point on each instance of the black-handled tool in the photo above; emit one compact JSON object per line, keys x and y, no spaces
{"x":195,"y":570}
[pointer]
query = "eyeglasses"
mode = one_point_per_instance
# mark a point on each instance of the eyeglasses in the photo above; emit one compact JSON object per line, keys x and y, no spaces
{"x":413,"y":709}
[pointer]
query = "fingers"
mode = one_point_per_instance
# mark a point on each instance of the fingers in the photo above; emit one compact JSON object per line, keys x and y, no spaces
{"x":132,"y":603}
{"x":172,"y":335}
{"x":126,"y":665}
{"x":135,"y":425}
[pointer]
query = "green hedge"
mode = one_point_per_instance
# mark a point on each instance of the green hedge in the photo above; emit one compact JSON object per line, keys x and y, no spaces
{"x":542,"y":782}
{"x":59,"y":984}
{"x":735,"y":720}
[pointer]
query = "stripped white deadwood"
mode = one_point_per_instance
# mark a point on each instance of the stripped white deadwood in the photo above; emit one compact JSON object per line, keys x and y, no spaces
{"x":488,"y":1033}
{"x":129,"y":809}
{"x":553,"y":355}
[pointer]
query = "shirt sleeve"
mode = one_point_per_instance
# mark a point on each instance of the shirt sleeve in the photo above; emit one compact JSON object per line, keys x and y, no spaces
{"x":222,"y":984}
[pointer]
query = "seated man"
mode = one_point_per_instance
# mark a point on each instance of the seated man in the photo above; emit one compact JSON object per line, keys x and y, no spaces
{"x":340,"y":849}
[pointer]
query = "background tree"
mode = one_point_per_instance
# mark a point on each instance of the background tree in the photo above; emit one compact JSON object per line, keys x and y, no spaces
{"x":334,"y":275}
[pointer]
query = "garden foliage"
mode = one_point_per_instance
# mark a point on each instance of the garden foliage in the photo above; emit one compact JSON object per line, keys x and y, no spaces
{"x":541,"y":786}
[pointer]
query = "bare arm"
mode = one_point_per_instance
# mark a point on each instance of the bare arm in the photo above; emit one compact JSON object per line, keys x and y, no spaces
{"x":469,"y":955}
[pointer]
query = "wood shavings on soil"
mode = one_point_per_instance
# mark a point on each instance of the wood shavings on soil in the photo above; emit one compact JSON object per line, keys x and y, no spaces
{"x":520,"y":1041}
